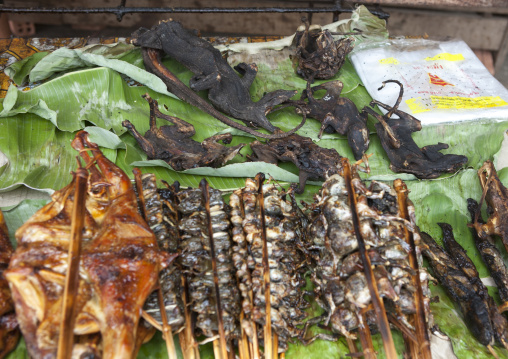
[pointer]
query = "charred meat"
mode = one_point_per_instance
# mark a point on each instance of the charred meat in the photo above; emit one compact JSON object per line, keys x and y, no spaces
{"x":404,"y":154}
{"x":457,"y":274}
{"x":318,"y":55}
{"x":9,"y":332}
{"x":283,"y":230}
{"x":490,"y":254}
{"x":197,"y":262}
{"x":227,"y":91}
{"x":341,"y":282}
{"x":496,"y":196}
{"x":313,"y":162}
{"x":338,"y":114}
{"x":174,"y":144}
{"x":159,"y":206}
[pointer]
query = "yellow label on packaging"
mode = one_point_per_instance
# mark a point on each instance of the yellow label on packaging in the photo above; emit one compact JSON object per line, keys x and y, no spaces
{"x":444,"y":102}
{"x":446,"y":56}
{"x":416,"y":106}
{"x":389,"y":60}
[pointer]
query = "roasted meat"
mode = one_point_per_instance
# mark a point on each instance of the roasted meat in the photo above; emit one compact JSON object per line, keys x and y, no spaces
{"x":496,"y":196}
{"x":338,"y":114}
{"x":281,"y":223}
{"x":159,"y":207}
{"x":227,"y":91}
{"x":404,"y":154}
{"x":456,"y":272}
{"x":9,"y":332}
{"x":197,"y":262}
{"x":339,"y":274}
{"x":119,"y":265}
{"x":174,"y":144}
{"x":313,"y":162}
{"x":318,"y":55}
{"x":490,"y":254}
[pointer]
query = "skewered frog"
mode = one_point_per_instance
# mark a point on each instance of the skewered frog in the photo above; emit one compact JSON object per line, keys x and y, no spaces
{"x":227,"y":91}
{"x":174,"y":144}
{"x":9,"y":333}
{"x":338,"y":114}
{"x":318,"y":55}
{"x":404,"y":154}
{"x":314,"y":162}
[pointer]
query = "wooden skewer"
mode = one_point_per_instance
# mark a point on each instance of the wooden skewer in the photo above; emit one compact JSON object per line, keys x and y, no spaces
{"x":365,"y":337}
{"x":166,"y":328}
{"x":420,"y":323}
{"x":203,"y":186}
{"x":260,"y":178}
{"x":243,"y":342}
{"x":351,"y":346}
{"x":275,"y":345}
{"x":379,"y":308}
{"x":65,"y":340}
{"x":188,"y":343}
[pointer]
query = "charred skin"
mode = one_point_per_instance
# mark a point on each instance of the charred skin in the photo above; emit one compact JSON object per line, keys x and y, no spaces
{"x":283,"y":226}
{"x":9,"y":332}
{"x":160,"y":210}
{"x":174,"y":144}
{"x":497,"y":201}
{"x":197,"y":262}
{"x":318,"y":55}
{"x":458,"y":285}
{"x":404,"y":154}
{"x":490,"y":254}
{"x":340,"y":284}
{"x":338,"y":114}
{"x":313,"y":162}
{"x":226,"y":90}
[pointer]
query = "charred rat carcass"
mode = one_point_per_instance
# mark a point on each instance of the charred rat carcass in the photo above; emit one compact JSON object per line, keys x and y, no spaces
{"x":338,"y":114}
{"x":227,"y":91}
{"x":174,"y":144}
{"x":313,"y":162}
{"x":318,"y":55}
{"x":404,"y":154}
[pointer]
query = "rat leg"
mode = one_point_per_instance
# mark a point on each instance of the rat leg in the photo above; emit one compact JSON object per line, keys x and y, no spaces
{"x":142,"y":142}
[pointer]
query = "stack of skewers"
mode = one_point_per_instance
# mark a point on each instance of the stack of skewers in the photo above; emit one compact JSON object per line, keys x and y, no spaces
{"x":102,"y":250}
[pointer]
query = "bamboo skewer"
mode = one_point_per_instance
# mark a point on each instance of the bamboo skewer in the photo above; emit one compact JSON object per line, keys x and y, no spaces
{"x":203,"y":185}
{"x":66,"y":338}
{"x":379,"y":308}
{"x":188,"y":343}
{"x":365,"y":337}
{"x":260,"y":178}
{"x":166,"y":328}
{"x":420,"y":323}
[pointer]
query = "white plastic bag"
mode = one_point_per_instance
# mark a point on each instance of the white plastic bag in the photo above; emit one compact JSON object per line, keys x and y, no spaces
{"x":443,"y":81}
